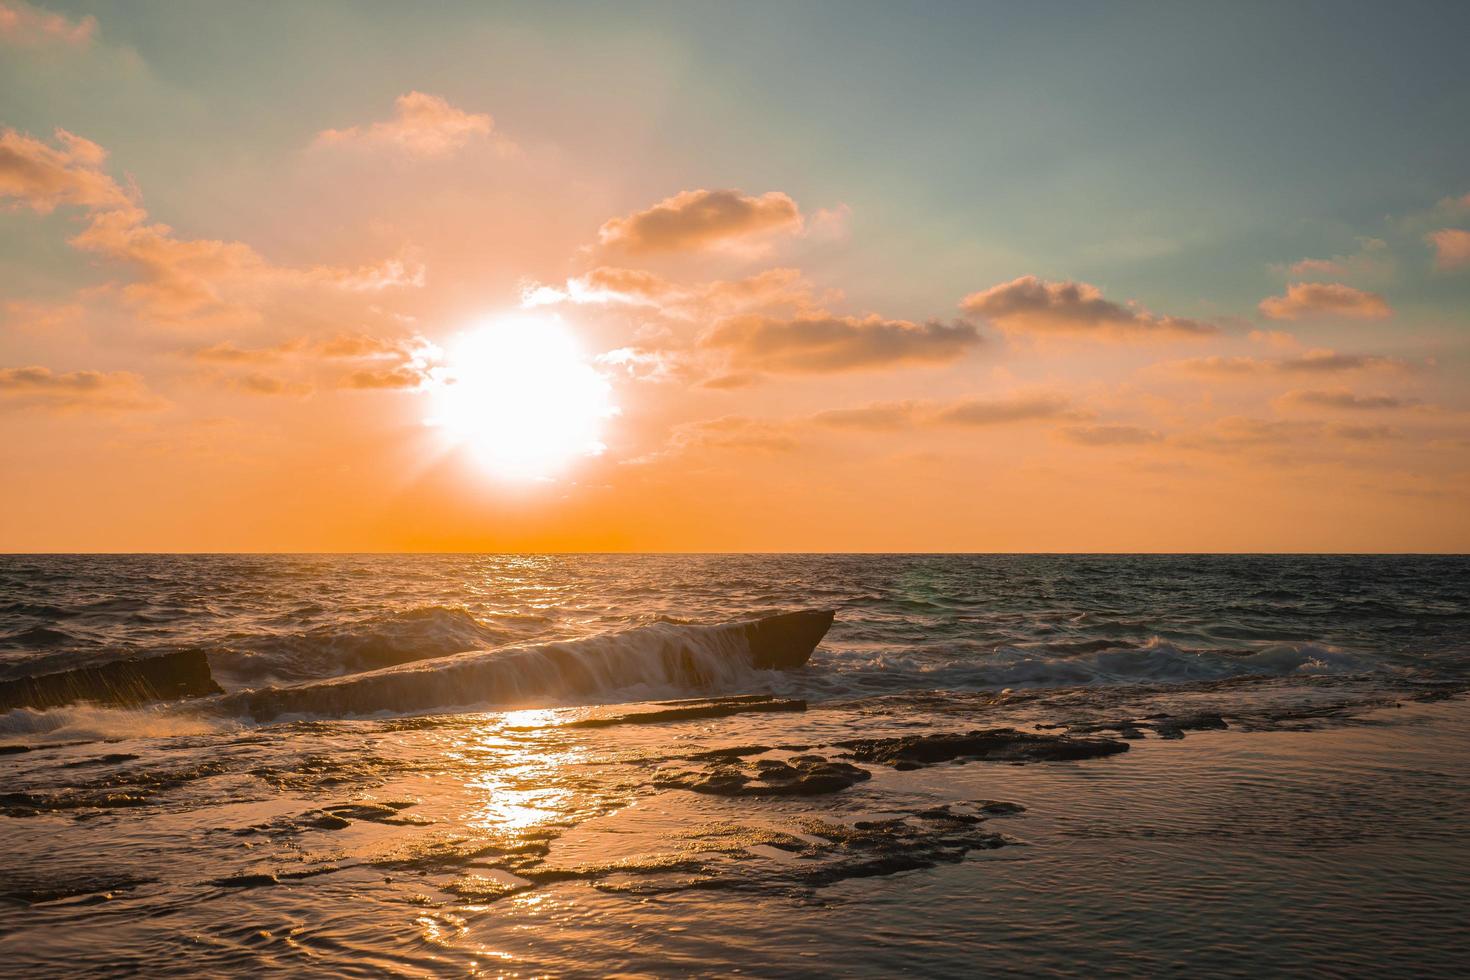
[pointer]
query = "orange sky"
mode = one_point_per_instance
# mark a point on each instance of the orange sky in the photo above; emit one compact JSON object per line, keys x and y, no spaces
{"x":209,"y":343}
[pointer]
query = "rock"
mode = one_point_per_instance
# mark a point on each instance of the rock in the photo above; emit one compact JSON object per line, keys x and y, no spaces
{"x":807,"y":775}
{"x":786,"y":641}
{"x":997,"y":808}
{"x":246,"y":881}
{"x":712,"y":708}
{"x":1175,"y":727}
{"x":997,"y":744}
{"x":181,"y":674}
{"x":328,"y":821}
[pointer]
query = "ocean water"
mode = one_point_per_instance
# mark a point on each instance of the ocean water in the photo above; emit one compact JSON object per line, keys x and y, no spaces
{"x":450,"y":765}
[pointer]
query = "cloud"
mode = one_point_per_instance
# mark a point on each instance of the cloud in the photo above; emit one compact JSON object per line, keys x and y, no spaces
{"x":1110,"y":435}
{"x":1309,"y":267}
{"x":176,"y":277}
{"x":1032,"y":305}
{"x":702,"y":219}
{"x":257,"y":383}
{"x":422,"y":125}
{"x":729,"y":382}
{"x":829,"y":224}
{"x":1454,"y":205}
{"x":181,"y":277}
{"x":43,"y":177}
{"x":23,"y":26}
{"x":1452,"y":248}
{"x":1341,"y":398}
{"x":736,"y":432}
{"x":374,"y":363}
{"x":1279,"y":339}
{"x":1365,"y":433}
{"x":405,"y":377}
{"x":616,"y":286}
{"x":42,"y":318}
{"x":1372,"y":260}
{"x":1002,"y":411}
{"x":1304,"y":300}
{"x":638,"y":364}
{"x":822,"y":343}
{"x":1312,"y":362}
{"x":1237,"y":433}
{"x":1010,"y":409}
{"x":883,"y":416}
{"x":75,"y":391}
{"x":226,"y":352}
{"x":343,"y":345}
{"x":781,"y":435}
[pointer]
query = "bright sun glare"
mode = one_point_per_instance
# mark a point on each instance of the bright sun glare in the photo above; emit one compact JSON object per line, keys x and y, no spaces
{"x":518,"y":391}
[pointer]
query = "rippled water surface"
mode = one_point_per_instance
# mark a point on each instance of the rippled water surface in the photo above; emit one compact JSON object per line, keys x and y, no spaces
{"x":1210,"y":764}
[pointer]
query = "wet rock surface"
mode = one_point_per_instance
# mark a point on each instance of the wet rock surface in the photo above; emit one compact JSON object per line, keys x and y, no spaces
{"x":30,"y":887}
{"x":809,"y":853}
{"x":1161,"y":725}
{"x":125,"y":788}
{"x":994,"y":744}
{"x":694,"y":710}
{"x":802,"y":775}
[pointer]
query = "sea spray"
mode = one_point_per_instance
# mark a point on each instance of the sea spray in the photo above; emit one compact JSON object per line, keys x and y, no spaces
{"x":661,"y":657}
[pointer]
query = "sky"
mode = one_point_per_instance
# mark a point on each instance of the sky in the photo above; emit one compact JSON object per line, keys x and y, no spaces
{"x":734,"y":277}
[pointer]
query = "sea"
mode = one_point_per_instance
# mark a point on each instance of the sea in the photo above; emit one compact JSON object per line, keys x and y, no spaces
{"x":575,"y":765}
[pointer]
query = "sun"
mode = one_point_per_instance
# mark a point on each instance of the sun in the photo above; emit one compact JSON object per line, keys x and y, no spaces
{"x":519,"y":393}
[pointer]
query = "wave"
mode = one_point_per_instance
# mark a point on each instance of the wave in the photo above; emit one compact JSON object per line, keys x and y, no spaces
{"x":93,"y":722}
{"x":384,"y":640}
{"x":639,"y":663}
{"x":1062,"y":665}
{"x":670,"y":659}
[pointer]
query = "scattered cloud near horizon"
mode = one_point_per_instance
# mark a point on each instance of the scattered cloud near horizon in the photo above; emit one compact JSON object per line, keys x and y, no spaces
{"x":702,"y":219}
{"x":1307,"y":300}
{"x":1033,"y":305}
{"x":43,"y":177}
{"x":422,"y":125}
{"x":175,"y":278}
{"x":1319,"y":361}
{"x":1341,"y":398}
{"x":1451,"y":248}
{"x":76,"y":391}
{"x":821,"y":343}
{"x":973,"y":412}
{"x":25,"y":26}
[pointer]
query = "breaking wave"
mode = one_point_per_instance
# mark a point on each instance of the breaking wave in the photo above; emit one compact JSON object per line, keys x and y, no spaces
{"x":1070,"y":665}
{"x":650,"y":661}
{"x":371,"y":643}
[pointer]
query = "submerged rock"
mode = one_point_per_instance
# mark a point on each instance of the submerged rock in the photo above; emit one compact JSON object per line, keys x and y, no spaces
{"x":246,"y":881}
{"x":1164,"y":726}
{"x":33,"y":885}
{"x":997,"y":744}
{"x":1175,"y":726}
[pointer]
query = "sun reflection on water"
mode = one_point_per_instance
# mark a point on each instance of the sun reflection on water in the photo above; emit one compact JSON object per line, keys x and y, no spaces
{"x":517,"y":782}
